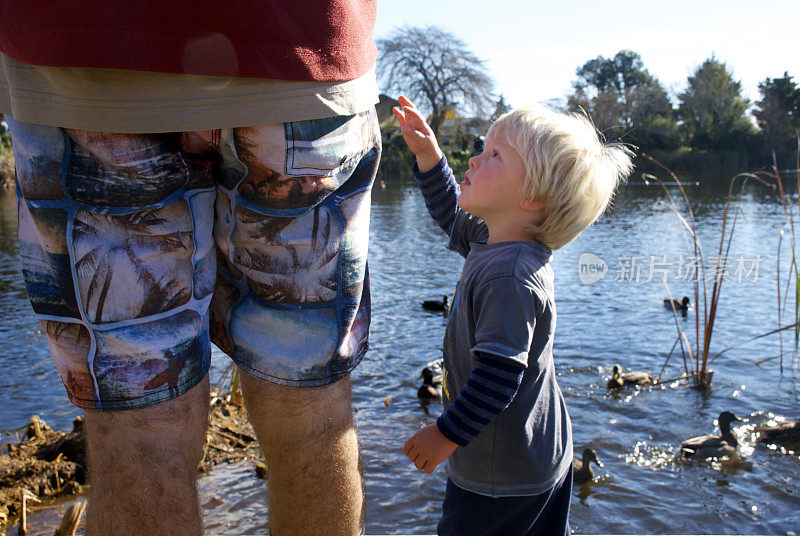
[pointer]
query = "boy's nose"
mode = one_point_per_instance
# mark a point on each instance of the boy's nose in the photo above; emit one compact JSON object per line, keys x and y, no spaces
{"x":473,"y":162}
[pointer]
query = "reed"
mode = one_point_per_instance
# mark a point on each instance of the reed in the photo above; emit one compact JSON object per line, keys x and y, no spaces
{"x":793,"y":270}
{"x":696,"y":360}
{"x":774,"y":179}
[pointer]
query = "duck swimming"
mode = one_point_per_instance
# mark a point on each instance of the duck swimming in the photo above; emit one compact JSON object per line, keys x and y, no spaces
{"x":436,"y":305}
{"x":785,"y":434}
{"x":581,"y":468}
{"x":680,"y":305}
{"x":712,"y":446}
{"x":620,"y":379}
{"x":431,"y":375}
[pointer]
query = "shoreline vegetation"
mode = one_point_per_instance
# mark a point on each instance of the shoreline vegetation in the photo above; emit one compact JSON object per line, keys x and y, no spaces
{"x":458,"y":136}
{"x":51,"y":465}
{"x":6,"y":160}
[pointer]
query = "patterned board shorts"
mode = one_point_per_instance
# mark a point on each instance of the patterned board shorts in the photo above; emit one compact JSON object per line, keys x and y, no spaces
{"x":139,"y":250}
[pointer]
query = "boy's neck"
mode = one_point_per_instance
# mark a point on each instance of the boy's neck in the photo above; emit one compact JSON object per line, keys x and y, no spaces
{"x":509,"y":226}
{"x":502,"y":232}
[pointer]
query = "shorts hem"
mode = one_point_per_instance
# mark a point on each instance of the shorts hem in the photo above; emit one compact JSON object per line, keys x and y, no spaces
{"x":297,"y":384}
{"x":140,"y":402}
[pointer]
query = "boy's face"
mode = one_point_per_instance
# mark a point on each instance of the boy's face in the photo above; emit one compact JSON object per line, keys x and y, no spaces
{"x":491,"y":186}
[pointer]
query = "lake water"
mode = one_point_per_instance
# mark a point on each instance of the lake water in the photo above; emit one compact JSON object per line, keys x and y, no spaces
{"x":620,"y":318}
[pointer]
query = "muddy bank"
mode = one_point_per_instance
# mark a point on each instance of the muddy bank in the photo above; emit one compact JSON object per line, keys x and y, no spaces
{"x":52,"y":464}
{"x":46,"y":463}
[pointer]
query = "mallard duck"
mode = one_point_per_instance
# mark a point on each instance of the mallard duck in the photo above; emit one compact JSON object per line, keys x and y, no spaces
{"x":582,"y":469}
{"x":619,"y":379}
{"x":711,"y":446}
{"x":786,"y":434}
{"x":680,"y":305}
{"x":431,"y":375}
{"x":436,"y":305}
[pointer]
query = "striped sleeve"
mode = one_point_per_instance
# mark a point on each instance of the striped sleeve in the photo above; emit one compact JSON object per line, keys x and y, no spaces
{"x":440,"y":190}
{"x":489,"y":390}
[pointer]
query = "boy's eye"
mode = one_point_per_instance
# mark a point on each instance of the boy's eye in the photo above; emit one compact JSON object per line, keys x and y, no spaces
{"x":494,"y":154}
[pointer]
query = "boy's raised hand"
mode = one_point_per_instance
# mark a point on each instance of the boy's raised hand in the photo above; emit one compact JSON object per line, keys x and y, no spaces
{"x":417,"y":134}
{"x":428,"y":448}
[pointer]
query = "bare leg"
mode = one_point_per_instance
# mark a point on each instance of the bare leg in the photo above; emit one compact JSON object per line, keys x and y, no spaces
{"x":313,"y":466}
{"x":143,"y":467}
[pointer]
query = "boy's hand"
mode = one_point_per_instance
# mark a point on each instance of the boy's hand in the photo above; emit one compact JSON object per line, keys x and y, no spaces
{"x":417,"y":134}
{"x":428,"y":448}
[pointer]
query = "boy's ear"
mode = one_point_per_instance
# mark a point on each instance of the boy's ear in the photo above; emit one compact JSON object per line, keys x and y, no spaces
{"x":533,"y":206}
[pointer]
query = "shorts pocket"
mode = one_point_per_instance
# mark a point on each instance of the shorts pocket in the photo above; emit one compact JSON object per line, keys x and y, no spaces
{"x":327,"y":147}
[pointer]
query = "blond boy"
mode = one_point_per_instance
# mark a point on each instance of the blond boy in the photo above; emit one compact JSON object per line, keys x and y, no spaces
{"x":541,"y":179}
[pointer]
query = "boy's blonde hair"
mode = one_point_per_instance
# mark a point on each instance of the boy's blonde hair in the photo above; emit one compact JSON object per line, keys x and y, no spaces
{"x":568,"y":166}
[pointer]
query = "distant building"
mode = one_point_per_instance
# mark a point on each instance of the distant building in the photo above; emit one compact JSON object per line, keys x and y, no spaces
{"x":386,"y":118}
{"x":453,"y":126}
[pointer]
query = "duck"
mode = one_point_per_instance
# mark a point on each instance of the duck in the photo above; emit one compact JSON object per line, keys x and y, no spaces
{"x":582,"y":469}
{"x":431,"y":388}
{"x":680,"y":305}
{"x":620,"y":379}
{"x":785,"y":434}
{"x":712,"y":446}
{"x":436,"y":305}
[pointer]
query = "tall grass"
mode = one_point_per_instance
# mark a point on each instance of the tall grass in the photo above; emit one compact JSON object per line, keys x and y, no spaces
{"x":773,"y":177}
{"x":696,"y":360}
{"x":794,"y":271}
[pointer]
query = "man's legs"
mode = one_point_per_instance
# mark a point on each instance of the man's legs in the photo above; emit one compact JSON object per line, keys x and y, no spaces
{"x":143,"y":467}
{"x":115,"y":234}
{"x":291,"y":304}
{"x":313,"y":465}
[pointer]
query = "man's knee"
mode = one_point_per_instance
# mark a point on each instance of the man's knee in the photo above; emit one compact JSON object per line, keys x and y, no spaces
{"x":172,"y":432}
{"x":298,"y":418}
{"x":143,"y":467}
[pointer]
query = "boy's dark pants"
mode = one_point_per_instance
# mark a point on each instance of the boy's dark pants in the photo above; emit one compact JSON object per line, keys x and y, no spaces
{"x":465,"y":513}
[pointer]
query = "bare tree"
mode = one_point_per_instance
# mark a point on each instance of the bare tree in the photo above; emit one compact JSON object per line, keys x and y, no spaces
{"x":435,"y":69}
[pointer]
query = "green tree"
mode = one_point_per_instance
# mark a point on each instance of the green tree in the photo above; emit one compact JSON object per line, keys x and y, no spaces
{"x":625,"y":101}
{"x":713,"y":110}
{"x":436,"y":70}
{"x":620,"y":73}
{"x":778,"y":115}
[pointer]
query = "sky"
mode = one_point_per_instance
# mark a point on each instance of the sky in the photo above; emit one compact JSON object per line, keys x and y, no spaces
{"x":532,"y":48}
